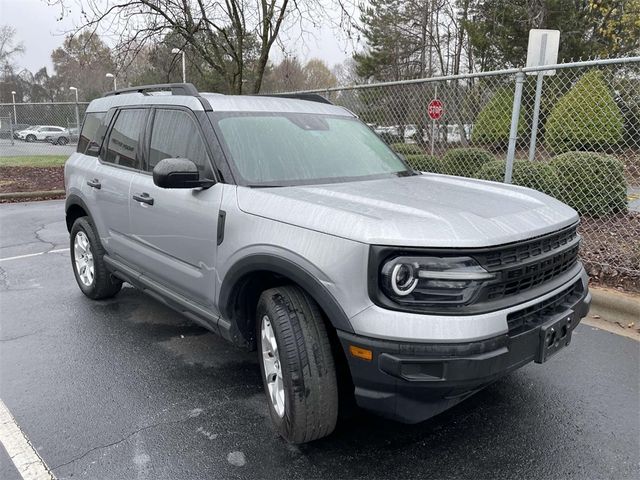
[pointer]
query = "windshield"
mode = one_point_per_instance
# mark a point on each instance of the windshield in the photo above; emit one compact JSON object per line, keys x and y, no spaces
{"x":277,"y":149}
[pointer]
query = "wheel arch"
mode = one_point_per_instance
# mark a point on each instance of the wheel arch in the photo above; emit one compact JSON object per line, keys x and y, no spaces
{"x":75,"y":208}
{"x":250,"y":276}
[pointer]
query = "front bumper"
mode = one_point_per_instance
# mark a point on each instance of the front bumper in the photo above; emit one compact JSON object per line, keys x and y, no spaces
{"x":411,"y":382}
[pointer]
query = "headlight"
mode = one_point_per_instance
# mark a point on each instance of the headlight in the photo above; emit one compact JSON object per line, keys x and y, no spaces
{"x":423,"y":281}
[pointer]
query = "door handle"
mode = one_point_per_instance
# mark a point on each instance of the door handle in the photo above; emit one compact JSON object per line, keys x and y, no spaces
{"x":144,"y":198}
{"x":95,"y":183}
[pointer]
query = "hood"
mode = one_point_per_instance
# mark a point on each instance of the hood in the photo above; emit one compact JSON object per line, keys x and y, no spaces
{"x":424,"y":210}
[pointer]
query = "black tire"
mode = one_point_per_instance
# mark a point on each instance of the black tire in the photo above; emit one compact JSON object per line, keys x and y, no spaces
{"x":103,"y":285}
{"x":62,"y":141}
{"x":30,"y":138}
{"x":306,"y":362}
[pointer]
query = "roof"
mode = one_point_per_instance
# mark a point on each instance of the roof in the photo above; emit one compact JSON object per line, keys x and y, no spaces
{"x":219,"y":103}
{"x":260,"y":103}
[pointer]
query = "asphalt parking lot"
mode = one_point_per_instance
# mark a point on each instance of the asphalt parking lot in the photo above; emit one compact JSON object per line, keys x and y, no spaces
{"x":126,"y":388}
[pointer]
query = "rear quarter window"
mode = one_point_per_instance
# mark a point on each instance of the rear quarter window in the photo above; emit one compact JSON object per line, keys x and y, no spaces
{"x":92,"y":134}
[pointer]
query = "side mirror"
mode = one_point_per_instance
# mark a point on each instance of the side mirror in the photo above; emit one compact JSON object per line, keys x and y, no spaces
{"x":178,"y":173}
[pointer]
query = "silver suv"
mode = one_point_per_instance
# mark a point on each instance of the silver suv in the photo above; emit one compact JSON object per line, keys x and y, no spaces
{"x":286,"y":225}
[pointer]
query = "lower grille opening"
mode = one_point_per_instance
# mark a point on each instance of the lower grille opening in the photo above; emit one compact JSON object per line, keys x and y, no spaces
{"x":535,"y":315}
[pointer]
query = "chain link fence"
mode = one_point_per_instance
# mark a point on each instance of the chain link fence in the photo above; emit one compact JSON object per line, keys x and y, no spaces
{"x":572,"y":132}
{"x":36,"y":129}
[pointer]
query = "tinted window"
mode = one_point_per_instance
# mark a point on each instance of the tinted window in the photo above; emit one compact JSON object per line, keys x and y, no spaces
{"x":176,"y":135}
{"x":296,"y":148}
{"x":92,"y":134}
{"x":124,"y":140}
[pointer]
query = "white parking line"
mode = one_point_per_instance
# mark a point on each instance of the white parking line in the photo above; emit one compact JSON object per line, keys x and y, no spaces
{"x":18,"y":257}
{"x":24,"y":457}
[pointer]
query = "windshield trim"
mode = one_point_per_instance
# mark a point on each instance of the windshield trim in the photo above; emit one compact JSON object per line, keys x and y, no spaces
{"x":215,"y":117}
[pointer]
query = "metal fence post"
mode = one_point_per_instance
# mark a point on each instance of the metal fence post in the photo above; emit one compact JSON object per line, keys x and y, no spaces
{"x":513,"y":135}
{"x":433,"y":122}
{"x":536,"y":115}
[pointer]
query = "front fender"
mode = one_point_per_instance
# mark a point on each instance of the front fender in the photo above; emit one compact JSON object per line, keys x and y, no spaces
{"x":269,"y":262}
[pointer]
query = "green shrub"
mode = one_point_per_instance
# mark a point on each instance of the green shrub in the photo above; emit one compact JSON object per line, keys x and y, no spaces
{"x":537,"y":175}
{"x":592,"y":183}
{"x":425,"y":163}
{"x":465,"y":162}
{"x":407,"y":148}
{"x":586,"y":118}
{"x":493,"y":123}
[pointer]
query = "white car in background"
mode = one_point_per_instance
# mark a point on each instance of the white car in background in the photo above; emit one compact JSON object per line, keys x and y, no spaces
{"x":41,"y":132}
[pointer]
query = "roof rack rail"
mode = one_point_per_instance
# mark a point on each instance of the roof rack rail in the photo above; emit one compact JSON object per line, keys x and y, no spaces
{"x":176,"y":89}
{"x":310,"y":97}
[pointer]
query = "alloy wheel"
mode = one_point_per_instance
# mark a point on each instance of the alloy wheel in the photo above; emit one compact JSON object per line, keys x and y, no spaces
{"x":83,"y":258}
{"x":272,"y":367}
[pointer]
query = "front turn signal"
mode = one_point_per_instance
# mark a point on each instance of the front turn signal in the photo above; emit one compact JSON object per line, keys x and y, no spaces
{"x":361,"y":353}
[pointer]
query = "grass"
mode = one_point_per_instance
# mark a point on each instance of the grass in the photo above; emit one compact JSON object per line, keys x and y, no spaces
{"x":34,"y":161}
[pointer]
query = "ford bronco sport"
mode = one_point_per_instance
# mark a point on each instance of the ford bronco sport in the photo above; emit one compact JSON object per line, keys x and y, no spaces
{"x":288,"y":227}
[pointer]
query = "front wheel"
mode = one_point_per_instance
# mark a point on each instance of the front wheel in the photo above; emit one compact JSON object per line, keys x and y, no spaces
{"x":297,"y":365}
{"x":30,"y":138}
{"x":91,"y":272}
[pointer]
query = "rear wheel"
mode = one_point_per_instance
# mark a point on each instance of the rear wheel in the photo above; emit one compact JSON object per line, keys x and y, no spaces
{"x":297,"y":365}
{"x":63,"y":141}
{"x":87,"y":254}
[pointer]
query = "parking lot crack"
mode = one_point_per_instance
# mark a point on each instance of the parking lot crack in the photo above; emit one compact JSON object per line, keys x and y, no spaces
{"x":123,"y":439}
{"x":36,"y":233}
{"x":18,"y":337}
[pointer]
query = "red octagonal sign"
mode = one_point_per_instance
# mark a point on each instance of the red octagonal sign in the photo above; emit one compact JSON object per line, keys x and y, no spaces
{"x":435,"y":109}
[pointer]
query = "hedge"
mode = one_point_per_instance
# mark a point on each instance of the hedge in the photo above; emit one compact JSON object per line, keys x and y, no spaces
{"x":465,"y":162}
{"x":592,"y":183}
{"x":537,"y":175}
{"x":407,"y":148}
{"x":586,"y":118}
{"x":425,"y":163}
{"x":493,"y":123}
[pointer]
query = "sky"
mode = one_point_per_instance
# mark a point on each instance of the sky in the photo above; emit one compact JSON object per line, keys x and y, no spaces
{"x":38,"y":28}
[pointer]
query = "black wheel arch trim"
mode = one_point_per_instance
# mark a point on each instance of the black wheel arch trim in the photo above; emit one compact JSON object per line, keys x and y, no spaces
{"x":287,"y":268}
{"x":75,"y":200}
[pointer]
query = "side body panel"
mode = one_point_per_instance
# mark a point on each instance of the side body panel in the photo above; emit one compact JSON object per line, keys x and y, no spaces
{"x":173,"y":241}
{"x":108,"y":205}
{"x":336,"y":264}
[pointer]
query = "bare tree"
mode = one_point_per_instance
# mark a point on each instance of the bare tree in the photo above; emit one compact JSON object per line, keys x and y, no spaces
{"x":9,"y":48}
{"x":233,"y":37}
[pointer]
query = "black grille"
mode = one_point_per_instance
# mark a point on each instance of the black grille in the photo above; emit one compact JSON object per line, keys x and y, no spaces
{"x":519,"y":279}
{"x":525,"y":265}
{"x":535,"y":315}
{"x":523,"y":251}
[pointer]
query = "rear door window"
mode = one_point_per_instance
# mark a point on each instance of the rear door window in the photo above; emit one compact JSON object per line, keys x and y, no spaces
{"x":124,"y":142}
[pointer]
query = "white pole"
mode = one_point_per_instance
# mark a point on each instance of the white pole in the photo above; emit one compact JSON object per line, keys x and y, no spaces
{"x":184,"y":69}
{"x":15,"y":117}
{"x":536,"y":106}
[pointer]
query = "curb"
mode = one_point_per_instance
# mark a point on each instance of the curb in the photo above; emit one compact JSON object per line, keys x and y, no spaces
{"x":29,"y":195}
{"x":616,"y":307}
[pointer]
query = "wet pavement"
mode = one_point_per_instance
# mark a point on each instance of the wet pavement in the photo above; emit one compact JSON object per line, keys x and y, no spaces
{"x":126,"y":388}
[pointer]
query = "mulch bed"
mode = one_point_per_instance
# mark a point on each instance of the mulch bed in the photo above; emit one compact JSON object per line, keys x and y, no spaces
{"x":31,"y":179}
{"x":612,"y":240}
